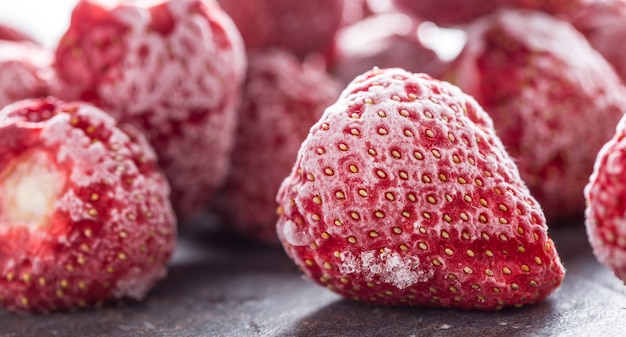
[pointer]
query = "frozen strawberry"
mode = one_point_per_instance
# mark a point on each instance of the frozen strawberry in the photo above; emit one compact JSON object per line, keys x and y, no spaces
{"x":300,"y":27}
{"x":25,"y":71}
{"x":459,"y":12}
{"x":173,"y":69}
{"x":8,"y":33}
{"x":84,"y":211}
{"x":604,"y":24}
{"x":384,"y":40}
{"x":606,"y":204}
{"x":553,"y":99}
{"x":283,"y":98}
{"x":449,"y":12}
{"x":402,"y":194}
{"x":553,"y":7}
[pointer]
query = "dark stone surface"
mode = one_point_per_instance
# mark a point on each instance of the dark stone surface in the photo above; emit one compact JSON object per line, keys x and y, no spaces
{"x":218,"y":286}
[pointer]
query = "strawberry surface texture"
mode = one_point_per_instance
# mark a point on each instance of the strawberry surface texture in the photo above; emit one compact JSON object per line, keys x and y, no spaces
{"x":300,"y":27}
{"x":84,"y":211}
{"x":606,"y":204}
{"x":174,"y":70}
{"x":554,"y":100}
{"x":283,"y":98}
{"x":604,"y":25}
{"x":402,"y":194}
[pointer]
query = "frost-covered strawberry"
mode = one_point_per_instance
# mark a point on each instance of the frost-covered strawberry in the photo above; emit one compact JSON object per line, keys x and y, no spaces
{"x":84,"y":211}
{"x":403,"y":194}
{"x":459,"y":12}
{"x":604,"y":24}
{"x":283,"y":98}
{"x":384,"y":40}
{"x":300,"y":27}
{"x":25,"y":71}
{"x":606,"y":204}
{"x":553,"y":99}
{"x":171,"y":68}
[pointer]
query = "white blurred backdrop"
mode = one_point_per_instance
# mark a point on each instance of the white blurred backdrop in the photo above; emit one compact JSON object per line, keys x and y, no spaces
{"x":44,"y":20}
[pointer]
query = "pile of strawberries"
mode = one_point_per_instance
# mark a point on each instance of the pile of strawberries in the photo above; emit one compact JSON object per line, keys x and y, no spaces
{"x":424,"y":182}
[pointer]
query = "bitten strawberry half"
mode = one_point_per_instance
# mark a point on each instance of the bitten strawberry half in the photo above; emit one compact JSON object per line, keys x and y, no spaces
{"x":84,"y":211}
{"x":402,"y":194}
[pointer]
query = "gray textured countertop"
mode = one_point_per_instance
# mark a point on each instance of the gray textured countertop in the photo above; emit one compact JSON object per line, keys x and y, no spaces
{"x":219,"y":286}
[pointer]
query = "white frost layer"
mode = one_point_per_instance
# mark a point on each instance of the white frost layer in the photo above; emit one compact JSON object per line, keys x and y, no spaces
{"x":295,"y":236}
{"x":389,"y":266}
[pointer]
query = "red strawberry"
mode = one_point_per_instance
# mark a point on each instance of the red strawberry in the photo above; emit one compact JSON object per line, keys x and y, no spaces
{"x":84,"y":211}
{"x":458,"y":12}
{"x":384,"y":40}
{"x":8,"y":33}
{"x":546,"y":90}
{"x":403,"y":194}
{"x":173,"y":69}
{"x":26,"y":71}
{"x":283,"y":97}
{"x":606,"y":204}
{"x":604,"y":24}
{"x":554,"y":7}
{"x":300,"y":27}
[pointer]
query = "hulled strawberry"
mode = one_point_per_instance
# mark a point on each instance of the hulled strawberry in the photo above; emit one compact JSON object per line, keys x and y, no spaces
{"x":171,"y":68}
{"x":546,"y":90}
{"x":84,"y":211}
{"x":403,"y":194}
{"x":283,"y":97}
{"x":300,"y":27}
{"x":606,"y":203}
{"x":26,"y":71}
{"x":383,"y":40}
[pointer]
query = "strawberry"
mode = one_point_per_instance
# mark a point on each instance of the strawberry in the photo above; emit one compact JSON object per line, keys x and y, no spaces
{"x":300,"y":27}
{"x":459,"y":12}
{"x":604,"y":25}
{"x":283,"y":97}
{"x":84,"y":211}
{"x":26,"y":70}
{"x":546,"y":90}
{"x":383,"y":40}
{"x":605,"y":195}
{"x":403,"y":194}
{"x":173,"y":69}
